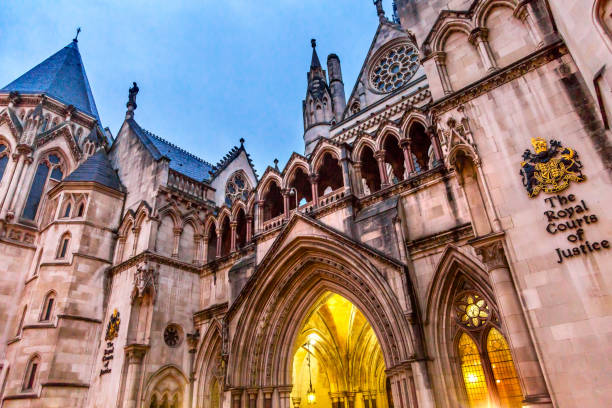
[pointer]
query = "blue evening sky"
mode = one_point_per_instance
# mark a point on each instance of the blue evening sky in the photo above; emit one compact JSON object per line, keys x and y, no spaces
{"x":209,"y":71}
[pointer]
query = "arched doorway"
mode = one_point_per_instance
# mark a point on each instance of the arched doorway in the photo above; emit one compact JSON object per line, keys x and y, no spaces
{"x":338,"y":360}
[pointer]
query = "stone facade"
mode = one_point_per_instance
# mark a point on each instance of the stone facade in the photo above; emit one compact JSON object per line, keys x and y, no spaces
{"x":135,"y":274}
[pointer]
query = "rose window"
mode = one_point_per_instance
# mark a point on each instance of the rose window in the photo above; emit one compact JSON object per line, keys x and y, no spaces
{"x":472,"y":310}
{"x":237,"y":188}
{"x":394,"y":68}
{"x":172,"y":335}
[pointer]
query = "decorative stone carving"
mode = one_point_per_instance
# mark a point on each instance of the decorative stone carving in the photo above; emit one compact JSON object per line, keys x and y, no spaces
{"x":492,"y":255}
{"x":145,"y":281}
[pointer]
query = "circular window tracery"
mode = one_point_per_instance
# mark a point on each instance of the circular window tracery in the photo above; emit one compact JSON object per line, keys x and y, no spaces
{"x":394,"y":68}
{"x":237,"y":188}
{"x":172,"y":335}
{"x":472,"y":310}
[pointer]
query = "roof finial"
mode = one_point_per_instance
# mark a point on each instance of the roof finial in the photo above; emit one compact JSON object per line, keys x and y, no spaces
{"x":380,"y":11}
{"x":241,"y":141}
{"x":313,"y":42}
{"x":76,"y":37}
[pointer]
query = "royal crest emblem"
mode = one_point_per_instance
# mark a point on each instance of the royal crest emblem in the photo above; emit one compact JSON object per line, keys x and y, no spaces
{"x":112,"y":330}
{"x":550,"y":170}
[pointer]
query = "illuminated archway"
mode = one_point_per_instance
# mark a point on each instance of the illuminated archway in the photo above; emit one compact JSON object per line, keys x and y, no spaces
{"x":338,"y":354}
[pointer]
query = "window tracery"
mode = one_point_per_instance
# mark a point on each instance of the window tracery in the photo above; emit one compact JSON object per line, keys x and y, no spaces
{"x":4,"y":158}
{"x":394,"y":68}
{"x":50,"y":167}
{"x":486,"y":364}
{"x":237,"y":188}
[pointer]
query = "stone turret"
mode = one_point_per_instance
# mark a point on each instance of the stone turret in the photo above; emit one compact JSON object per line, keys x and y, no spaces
{"x":317,"y":106}
{"x":336,"y":86}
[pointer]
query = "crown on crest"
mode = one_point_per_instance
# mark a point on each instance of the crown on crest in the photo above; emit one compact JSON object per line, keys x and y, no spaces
{"x":539,"y":145}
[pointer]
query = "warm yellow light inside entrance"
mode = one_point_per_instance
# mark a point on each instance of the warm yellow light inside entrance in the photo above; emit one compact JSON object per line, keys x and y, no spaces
{"x":345,"y":356}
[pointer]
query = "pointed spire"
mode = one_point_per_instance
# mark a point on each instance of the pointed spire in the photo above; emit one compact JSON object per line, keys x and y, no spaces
{"x":380,"y":11}
{"x":315,"y":63}
{"x":61,"y":76}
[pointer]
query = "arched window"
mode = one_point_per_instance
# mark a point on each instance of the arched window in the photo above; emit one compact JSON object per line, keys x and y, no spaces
{"x":67,"y":210}
{"x":237,"y":188}
{"x":29,"y":380}
{"x":211,"y":251}
{"x":241,"y":226}
{"x":47,"y":310}
{"x":81,"y":210}
{"x":49,"y":168}
{"x":62,"y":249}
{"x":330,"y":175}
{"x":300,"y":189}
{"x":273,"y":202}
{"x":4,"y":158}
{"x":421,"y":148}
{"x":226,"y":236}
{"x":370,"y":175}
{"x":486,"y":364}
{"x":394,"y":158}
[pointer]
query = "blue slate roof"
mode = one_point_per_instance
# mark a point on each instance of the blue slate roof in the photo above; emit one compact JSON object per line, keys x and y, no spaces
{"x":96,"y":168}
{"x":180,"y":160}
{"x":62,"y":77}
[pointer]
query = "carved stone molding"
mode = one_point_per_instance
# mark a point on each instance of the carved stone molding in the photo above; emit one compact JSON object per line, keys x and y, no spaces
{"x":146,"y":280}
{"x":491,"y":251}
{"x":135,"y":352}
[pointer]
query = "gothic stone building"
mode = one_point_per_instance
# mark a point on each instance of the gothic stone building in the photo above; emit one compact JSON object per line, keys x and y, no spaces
{"x":443,"y":240}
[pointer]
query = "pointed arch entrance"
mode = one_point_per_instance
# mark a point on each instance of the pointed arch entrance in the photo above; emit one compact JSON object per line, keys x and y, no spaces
{"x":338,"y":361}
{"x":267,"y":317}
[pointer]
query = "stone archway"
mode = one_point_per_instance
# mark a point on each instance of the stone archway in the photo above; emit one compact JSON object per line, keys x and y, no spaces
{"x":267,"y":316}
{"x":338,"y":361}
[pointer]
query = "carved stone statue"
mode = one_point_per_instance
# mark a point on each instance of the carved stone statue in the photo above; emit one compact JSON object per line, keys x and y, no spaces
{"x":132,"y":96}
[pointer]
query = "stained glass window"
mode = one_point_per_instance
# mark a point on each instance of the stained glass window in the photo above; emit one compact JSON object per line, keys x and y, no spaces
{"x":472,"y":310}
{"x":394,"y":68}
{"x":4,"y":158}
{"x":472,"y":372}
{"x":502,"y":365}
{"x":49,"y":167}
{"x":237,"y":187}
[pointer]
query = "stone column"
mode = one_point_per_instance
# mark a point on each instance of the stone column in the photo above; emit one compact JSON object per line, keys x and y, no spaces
{"x":134,"y":355}
{"x":253,"y":393}
{"x":177,"y":237}
{"x":285,"y":396}
{"x":366,"y":399}
{"x":435,"y":142}
{"x":372,"y":399}
{"x":489,"y":207}
{"x":359,"y":183}
{"x":136,"y":232}
{"x":408,"y":162}
{"x":259,"y":218}
{"x":384,"y":177}
{"x":9,"y":177}
{"x":286,"y":204}
{"x":491,"y":251}
{"x":346,"y":176}
{"x":523,"y":13}
{"x":14,"y":181}
{"x":314,"y":185}
{"x":249,"y":228}
{"x":350,"y":399}
{"x":236,"y":397}
{"x":267,"y":394}
{"x":192,"y":344}
{"x":23,"y":192}
{"x":204,"y":249}
{"x":233,"y":226}
{"x":479,"y":37}
{"x":440,"y":60}
{"x":219,"y":242}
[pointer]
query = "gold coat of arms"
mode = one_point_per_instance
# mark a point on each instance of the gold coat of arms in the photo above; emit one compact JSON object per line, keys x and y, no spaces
{"x":112,"y":330}
{"x":550,"y":170}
